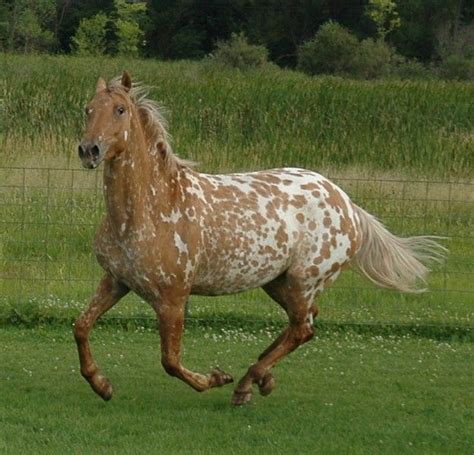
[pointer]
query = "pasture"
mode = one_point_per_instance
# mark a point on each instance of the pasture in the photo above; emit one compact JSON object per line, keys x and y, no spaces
{"x":340,"y":393}
{"x":399,"y":380}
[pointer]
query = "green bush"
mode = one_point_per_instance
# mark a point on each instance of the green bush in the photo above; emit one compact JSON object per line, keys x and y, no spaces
{"x":457,"y":67}
{"x":239,"y":53}
{"x":412,"y":70}
{"x":331,"y":51}
{"x":373,"y":59}
{"x":335,"y":50}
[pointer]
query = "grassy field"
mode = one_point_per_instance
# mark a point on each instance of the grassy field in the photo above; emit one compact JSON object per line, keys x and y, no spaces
{"x":384,"y":394}
{"x":230,"y":120}
{"x":402,"y":150}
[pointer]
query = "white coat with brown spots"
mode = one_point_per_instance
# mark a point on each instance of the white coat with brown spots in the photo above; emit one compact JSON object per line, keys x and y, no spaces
{"x":170,"y":232}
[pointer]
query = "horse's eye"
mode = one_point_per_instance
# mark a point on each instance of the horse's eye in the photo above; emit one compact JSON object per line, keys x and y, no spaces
{"x":120,"y":110}
{"x":88,"y":110}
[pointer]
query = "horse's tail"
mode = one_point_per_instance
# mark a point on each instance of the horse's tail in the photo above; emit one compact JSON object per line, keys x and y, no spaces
{"x":394,"y":262}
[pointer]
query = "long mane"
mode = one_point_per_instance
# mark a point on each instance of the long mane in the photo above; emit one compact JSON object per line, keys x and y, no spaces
{"x":152,"y":115}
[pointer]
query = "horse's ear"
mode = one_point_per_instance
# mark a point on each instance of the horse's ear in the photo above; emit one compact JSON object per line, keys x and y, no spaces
{"x":126,"y":81}
{"x":101,"y":85}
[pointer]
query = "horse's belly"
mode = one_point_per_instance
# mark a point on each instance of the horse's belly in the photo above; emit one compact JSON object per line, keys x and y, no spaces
{"x":232,"y":273}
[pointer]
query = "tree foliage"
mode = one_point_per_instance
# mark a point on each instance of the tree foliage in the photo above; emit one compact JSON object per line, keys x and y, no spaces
{"x":172,"y":29}
{"x":90,"y":36}
{"x":331,"y":51}
{"x":27,"y":24}
{"x":123,"y":22}
{"x":126,"y":20}
{"x":385,"y":16}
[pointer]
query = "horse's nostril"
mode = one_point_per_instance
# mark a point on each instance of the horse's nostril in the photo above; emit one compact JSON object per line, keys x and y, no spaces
{"x":95,"y":151}
{"x":81,"y":151}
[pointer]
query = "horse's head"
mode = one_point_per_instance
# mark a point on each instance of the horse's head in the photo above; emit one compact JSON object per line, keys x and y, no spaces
{"x":108,"y":122}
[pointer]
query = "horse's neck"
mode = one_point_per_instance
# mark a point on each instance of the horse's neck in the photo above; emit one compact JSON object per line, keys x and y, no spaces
{"x":133,"y":187}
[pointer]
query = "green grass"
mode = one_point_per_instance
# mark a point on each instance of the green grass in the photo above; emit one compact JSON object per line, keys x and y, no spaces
{"x":341,"y":393}
{"x":228,"y":120}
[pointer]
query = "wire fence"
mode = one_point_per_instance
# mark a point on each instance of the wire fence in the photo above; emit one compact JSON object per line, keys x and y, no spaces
{"x":47,"y":268}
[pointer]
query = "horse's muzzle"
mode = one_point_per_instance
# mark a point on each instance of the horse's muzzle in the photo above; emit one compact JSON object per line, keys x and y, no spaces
{"x":91,"y":154}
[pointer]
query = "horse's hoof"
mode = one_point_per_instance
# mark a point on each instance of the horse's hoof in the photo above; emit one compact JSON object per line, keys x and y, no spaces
{"x":102,"y":387}
{"x":241,"y":398}
{"x":220,"y":378}
{"x":107,"y":393}
{"x":266,"y":385}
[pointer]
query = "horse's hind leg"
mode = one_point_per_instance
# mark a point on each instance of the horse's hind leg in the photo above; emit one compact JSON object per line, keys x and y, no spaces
{"x":288,"y":292}
{"x":267,"y":383}
{"x":107,"y":295}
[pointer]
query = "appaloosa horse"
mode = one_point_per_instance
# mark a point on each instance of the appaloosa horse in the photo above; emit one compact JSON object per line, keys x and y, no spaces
{"x":170,"y":232}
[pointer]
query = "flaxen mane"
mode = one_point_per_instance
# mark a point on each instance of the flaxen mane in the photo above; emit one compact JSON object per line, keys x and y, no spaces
{"x":155,"y":124}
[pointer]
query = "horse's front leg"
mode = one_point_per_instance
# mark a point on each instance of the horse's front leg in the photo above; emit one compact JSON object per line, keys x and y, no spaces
{"x":170,"y":316}
{"x":107,"y":295}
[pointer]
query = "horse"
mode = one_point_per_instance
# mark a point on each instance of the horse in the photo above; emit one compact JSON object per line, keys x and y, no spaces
{"x":170,"y":231}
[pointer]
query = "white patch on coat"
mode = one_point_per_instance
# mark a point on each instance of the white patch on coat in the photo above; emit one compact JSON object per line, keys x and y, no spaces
{"x":180,"y":245}
{"x":174,"y":217}
{"x":189,"y":269}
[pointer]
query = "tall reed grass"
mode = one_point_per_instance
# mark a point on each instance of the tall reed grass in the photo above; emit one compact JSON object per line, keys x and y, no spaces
{"x":232,"y":120}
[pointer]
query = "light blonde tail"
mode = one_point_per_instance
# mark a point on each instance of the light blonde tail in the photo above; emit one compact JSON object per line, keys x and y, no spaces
{"x":394,"y":262}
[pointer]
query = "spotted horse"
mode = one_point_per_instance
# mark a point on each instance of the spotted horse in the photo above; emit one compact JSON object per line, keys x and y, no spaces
{"x":170,"y":231}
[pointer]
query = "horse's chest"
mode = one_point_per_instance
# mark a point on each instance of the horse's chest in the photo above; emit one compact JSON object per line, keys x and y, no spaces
{"x":131,"y":262}
{"x":147,"y":263}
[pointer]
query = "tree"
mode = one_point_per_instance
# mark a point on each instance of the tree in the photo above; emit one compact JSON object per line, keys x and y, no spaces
{"x":385,"y":16}
{"x":28,"y":25}
{"x":69,"y":14}
{"x":130,"y":36}
{"x":4,"y":13}
{"x":90,"y":36}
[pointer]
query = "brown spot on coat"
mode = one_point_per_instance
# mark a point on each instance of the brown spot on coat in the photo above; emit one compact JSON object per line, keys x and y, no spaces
{"x":300,"y":218}
{"x":310,"y":186}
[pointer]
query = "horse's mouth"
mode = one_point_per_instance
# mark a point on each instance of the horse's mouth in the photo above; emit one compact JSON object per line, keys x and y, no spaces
{"x":91,"y":163}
